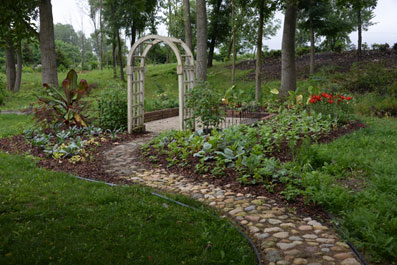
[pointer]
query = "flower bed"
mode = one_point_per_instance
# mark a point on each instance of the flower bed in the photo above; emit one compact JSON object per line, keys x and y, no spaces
{"x":254,"y":154}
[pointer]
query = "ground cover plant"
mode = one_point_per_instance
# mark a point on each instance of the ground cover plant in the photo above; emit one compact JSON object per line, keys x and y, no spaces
{"x":354,"y":177}
{"x":253,"y":152}
{"x":49,"y":217}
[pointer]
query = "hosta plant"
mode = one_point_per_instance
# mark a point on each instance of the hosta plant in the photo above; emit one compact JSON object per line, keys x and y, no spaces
{"x":64,"y":102}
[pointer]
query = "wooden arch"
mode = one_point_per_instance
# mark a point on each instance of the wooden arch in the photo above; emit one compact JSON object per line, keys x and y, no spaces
{"x":136,"y":69}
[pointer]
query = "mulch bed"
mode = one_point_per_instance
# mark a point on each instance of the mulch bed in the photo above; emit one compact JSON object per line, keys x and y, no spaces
{"x":92,"y":168}
{"x":230,"y":177}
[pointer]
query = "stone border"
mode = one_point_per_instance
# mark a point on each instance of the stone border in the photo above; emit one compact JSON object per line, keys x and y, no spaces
{"x":282,"y":236}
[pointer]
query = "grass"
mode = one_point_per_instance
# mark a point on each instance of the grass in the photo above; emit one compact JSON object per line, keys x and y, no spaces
{"x":368,"y":215}
{"x":12,"y":124}
{"x":158,"y":77}
{"x":48,"y":217}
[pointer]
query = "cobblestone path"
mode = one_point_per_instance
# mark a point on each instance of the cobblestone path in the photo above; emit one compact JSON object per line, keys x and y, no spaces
{"x":282,"y":236}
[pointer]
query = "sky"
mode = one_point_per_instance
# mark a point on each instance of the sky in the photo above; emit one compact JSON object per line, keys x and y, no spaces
{"x":384,"y":31}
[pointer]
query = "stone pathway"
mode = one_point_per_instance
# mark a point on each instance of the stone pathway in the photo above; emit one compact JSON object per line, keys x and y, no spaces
{"x":282,"y":236}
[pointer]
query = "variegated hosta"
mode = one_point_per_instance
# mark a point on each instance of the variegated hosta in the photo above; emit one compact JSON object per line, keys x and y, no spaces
{"x":65,"y":101}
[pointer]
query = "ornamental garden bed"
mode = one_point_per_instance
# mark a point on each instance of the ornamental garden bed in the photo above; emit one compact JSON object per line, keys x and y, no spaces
{"x":259,"y":159}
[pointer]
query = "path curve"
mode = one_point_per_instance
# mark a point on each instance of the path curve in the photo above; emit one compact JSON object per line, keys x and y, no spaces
{"x":282,"y":236}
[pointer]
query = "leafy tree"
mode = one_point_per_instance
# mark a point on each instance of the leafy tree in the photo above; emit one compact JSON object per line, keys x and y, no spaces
{"x":337,"y":28}
{"x":266,"y":11}
{"x":219,"y":25}
{"x":364,"y":13}
{"x":16,"y":24}
{"x":66,"y":33}
{"x":312,"y":18}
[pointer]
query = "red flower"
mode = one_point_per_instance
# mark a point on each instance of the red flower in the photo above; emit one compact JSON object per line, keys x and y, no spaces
{"x":330,"y":101}
{"x":325,"y":95}
{"x":348,"y":98}
{"x":313,"y":100}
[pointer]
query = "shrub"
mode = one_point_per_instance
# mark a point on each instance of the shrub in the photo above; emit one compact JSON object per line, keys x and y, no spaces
{"x":395,"y":46}
{"x":163,"y":100}
{"x":302,"y":51}
{"x":112,"y":108}
{"x":370,"y":78}
{"x":205,"y":103}
{"x":64,"y":103}
{"x":375,"y":105}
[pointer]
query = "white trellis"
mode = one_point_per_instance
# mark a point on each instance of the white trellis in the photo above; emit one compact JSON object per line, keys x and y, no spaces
{"x":136,"y":78}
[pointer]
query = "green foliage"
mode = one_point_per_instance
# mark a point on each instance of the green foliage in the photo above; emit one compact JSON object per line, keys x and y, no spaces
{"x":246,"y":150}
{"x":42,"y":208}
{"x":205,"y":103}
{"x":65,"y":103}
{"x":373,"y":104}
{"x":2,"y":91}
{"x":162,"y":99}
{"x":338,"y":107}
{"x":68,"y":55}
{"x":112,"y":108}
{"x":354,"y":178}
{"x":372,"y":77}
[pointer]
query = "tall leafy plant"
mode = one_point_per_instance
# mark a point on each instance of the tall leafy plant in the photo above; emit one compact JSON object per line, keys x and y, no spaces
{"x":206,"y":105}
{"x":64,"y":102}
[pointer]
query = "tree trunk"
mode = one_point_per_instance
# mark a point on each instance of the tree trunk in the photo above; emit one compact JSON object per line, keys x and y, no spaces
{"x":229,"y":50}
{"x":47,"y":44}
{"x":202,"y":37}
{"x":258,"y":68}
{"x":133,"y":34}
{"x":213,"y":35}
{"x":10,"y":66}
{"x":360,"y":37}
{"x":82,"y":51}
{"x":18,"y":78}
{"x":288,"y":68}
{"x":233,"y":45}
{"x":312,"y":48}
{"x":188,"y":24}
{"x":114,"y":55}
{"x":211,"y":51}
{"x":101,"y":32}
{"x":120,"y":57}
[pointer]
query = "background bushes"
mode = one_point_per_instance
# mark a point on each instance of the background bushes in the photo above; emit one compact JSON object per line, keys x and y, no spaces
{"x":112,"y":107}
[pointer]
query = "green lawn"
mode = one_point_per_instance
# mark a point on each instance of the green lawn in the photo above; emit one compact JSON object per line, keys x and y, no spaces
{"x":12,"y":124}
{"x":48,"y":217}
{"x":158,"y":77}
{"x":54,"y":218}
{"x":368,"y":215}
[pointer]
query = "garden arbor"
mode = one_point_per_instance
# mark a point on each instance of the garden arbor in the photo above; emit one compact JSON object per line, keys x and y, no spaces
{"x":136,"y":78}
